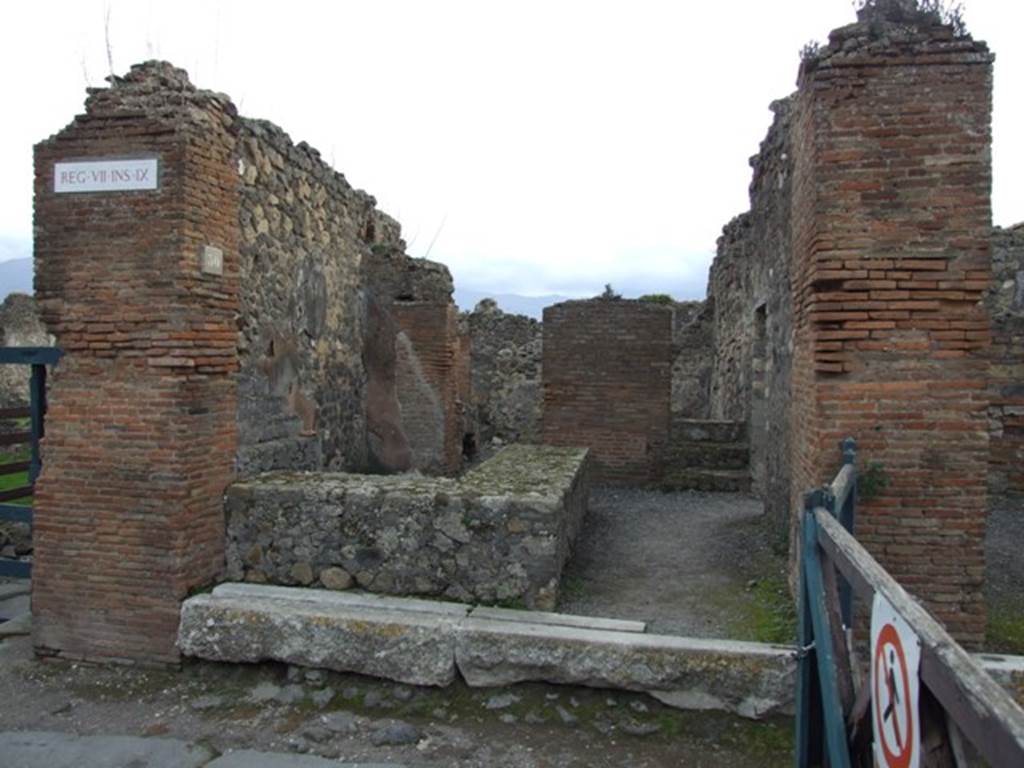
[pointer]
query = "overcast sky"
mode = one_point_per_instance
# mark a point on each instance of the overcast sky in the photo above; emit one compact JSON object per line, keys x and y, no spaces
{"x":534,"y":147}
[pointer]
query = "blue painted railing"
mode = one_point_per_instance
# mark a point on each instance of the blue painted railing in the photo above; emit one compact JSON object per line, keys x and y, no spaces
{"x":958,"y":700}
{"x":38,"y":358}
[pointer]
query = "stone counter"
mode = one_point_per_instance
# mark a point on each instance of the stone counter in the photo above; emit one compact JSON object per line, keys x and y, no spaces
{"x":500,"y":534}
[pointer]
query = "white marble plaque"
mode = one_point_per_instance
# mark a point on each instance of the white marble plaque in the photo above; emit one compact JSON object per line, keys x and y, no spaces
{"x":111,"y":175}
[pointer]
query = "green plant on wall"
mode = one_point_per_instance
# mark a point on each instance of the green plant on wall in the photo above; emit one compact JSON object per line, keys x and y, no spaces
{"x":872,"y":481}
{"x":657,"y":298}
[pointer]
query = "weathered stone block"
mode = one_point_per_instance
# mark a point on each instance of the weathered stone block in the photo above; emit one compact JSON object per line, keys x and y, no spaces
{"x":255,"y":624}
{"x":750,"y":679}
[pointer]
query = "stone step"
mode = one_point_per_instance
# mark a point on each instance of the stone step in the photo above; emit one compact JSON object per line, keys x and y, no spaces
{"x":708,"y":431}
{"x":698,"y":479}
{"x":710,"y":455}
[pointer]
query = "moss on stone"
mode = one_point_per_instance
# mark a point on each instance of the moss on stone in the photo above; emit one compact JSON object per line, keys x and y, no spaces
{"x":1005,"y":633}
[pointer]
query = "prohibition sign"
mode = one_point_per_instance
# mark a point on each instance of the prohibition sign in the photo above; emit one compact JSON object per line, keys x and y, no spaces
{"x":894,"y":708}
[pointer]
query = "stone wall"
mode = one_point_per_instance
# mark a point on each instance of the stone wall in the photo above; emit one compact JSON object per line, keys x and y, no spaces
{"x":499,"y":534}
{"x":505,"y":365}
{"x":749,"y":293}
{"x":1006,"y":384}
{"x":693,"y":353}
{"x":20,"y":326}
{"x":141,"y":437}
{"x":891,"y":257}
{"x":304,"y":235}
{"x":607,"y":384}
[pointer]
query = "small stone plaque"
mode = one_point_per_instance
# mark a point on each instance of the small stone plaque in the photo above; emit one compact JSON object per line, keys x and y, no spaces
{"x":211,"y":260}
{"x":109,"y":175}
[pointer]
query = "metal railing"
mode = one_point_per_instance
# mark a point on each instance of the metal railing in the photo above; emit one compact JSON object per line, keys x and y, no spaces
{"x":35,"y":412}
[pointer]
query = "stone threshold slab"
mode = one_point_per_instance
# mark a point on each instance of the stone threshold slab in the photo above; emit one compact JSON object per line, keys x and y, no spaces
{"x":409,"y":646}
{"x":750,"y":679}
{"x":425,"y":642}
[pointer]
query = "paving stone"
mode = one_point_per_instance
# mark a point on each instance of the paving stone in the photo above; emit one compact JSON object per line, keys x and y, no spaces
{"x":395,"y":733}
{"x":501,"y":701}
{"x":31,"y":749}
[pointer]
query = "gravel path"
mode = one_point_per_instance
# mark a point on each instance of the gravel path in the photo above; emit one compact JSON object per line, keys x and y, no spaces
{"x":681,"y":561}
{"x":1004,"y":542}
{"x":684,"y":561}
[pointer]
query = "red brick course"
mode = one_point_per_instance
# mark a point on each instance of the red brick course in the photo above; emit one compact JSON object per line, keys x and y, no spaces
{"x":891,"y":225}
{"x":431,"y":329}
{"x":607,"y":384}
{"x":141,"y":433}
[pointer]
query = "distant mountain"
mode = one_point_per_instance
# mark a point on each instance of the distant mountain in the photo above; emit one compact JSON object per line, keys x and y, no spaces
{"x":15,"y":276}
{"x":532,"y":306}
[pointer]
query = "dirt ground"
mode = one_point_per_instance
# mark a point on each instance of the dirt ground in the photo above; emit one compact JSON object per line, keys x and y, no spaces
{"x":270,"y":707}
{"x":689,"y":563}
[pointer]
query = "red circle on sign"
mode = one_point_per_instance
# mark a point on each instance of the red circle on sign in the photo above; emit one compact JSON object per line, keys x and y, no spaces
{"x":900,"y":759}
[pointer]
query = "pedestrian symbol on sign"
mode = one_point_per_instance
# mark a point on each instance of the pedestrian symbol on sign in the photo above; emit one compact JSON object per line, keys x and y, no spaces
{"x":895,"y":657}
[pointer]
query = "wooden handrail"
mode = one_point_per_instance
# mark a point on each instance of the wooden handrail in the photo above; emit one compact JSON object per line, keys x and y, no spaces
{"x":843,"y":485}
{"x":984,"y":712}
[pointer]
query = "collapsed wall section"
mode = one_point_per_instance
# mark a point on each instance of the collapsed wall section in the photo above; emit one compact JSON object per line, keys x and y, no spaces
{"x":1006,"y":371}
{"x":141,"y":438}
{"x":607,"y":384}
{"x":891,"y":237}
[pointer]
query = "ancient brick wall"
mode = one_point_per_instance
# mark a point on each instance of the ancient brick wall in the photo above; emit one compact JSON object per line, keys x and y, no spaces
{"x":416,"y":296}
{"x":505,"y":363}
{"x":141,"y":432}
{"x":427,"y":347}
{"x":891,"y":232}
{"x":607,"y":384}
{"x":1006,"y":383}
{"x":305,"y":233}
